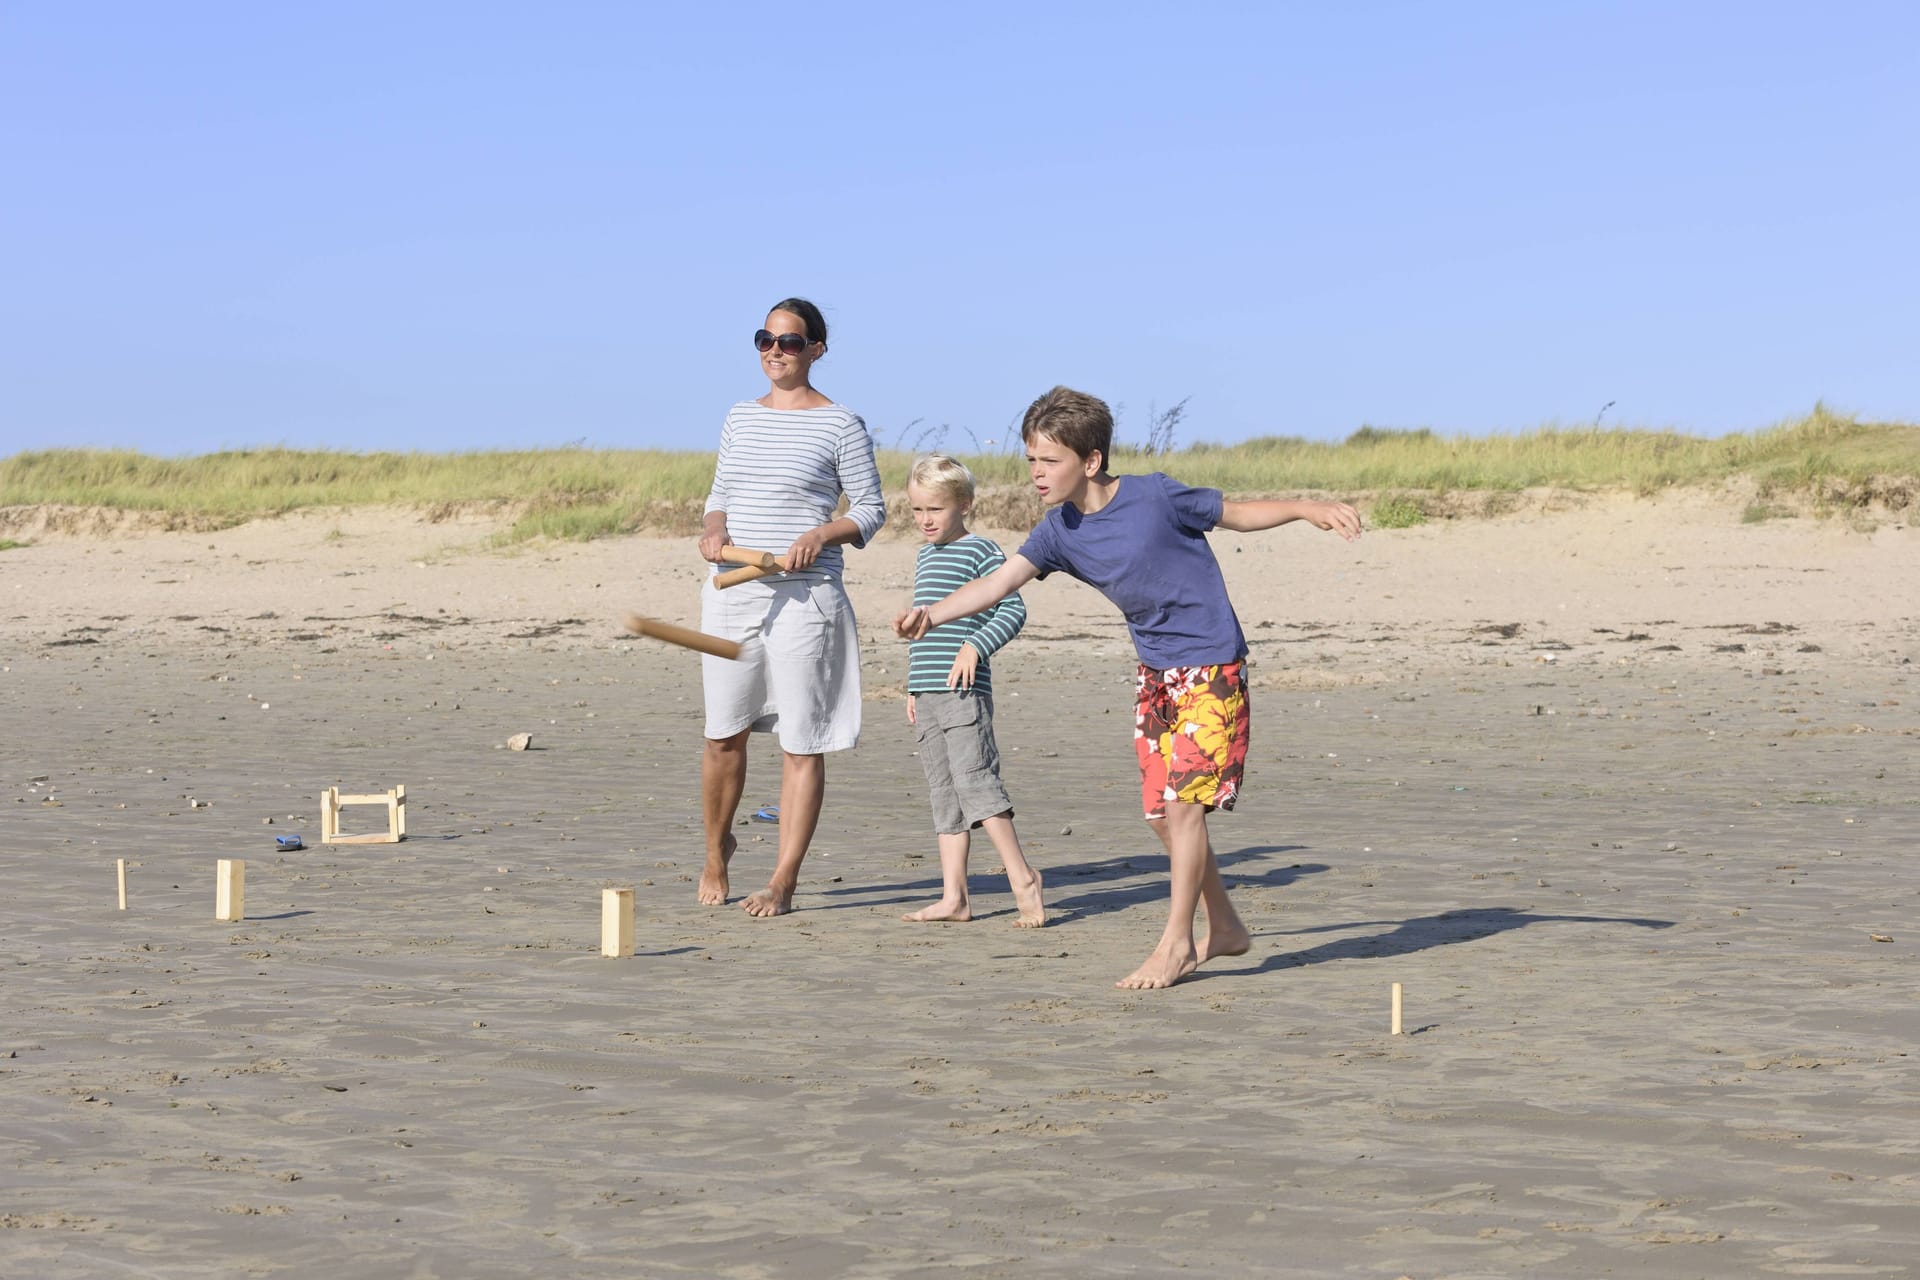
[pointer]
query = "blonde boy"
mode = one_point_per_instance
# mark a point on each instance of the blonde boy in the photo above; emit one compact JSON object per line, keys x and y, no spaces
{"x":1141,"y":542}
{"x":950,"y":694}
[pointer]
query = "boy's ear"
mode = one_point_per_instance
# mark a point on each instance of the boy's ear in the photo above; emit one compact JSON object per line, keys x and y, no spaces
{"x":1096,"y":462}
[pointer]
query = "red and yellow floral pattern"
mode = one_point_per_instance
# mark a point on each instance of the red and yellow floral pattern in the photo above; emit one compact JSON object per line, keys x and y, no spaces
{"x":1190,"y":731}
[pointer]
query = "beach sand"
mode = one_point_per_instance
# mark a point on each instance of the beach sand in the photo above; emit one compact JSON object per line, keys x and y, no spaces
{"x":1622,"y":792}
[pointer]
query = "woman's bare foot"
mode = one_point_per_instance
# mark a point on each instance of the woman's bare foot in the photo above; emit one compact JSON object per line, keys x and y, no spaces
{"x":1033,"y":909}
{"x":1229,"y":940}
{"x":1166,"y":966}
{"x":713,"y":877}
{"x":947,"y":910}
{"x":768,"y":902}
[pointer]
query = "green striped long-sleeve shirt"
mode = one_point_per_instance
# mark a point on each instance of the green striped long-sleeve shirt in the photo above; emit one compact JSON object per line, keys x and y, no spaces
{"x":941,"y":569}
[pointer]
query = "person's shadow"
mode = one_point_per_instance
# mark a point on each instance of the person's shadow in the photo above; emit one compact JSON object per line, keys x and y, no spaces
{"x":1078,"y":890}
{"x":1417,"y":934}
{"x":1145,"y":877}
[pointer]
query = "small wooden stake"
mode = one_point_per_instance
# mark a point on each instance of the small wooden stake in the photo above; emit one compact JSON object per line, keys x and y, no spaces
{"x":122,"y":864}
{"x":616,"y":923}
{"x":230,"y":890}
{"x":1396,"y":1009}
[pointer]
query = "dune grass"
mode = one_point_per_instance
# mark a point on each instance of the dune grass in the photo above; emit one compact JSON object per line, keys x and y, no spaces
{"x":561,"y":493}
{"x":1825,"y":459}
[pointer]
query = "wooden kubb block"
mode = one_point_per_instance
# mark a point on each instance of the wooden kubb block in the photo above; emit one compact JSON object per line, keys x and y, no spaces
{"x":230,"y":889}
{"x":616,"y":923}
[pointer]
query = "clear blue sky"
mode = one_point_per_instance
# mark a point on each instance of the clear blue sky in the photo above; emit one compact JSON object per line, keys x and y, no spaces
{"x":452,"y":226}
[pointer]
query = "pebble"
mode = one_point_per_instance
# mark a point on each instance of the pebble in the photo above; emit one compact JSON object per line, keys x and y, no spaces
{"x":520,"y":741}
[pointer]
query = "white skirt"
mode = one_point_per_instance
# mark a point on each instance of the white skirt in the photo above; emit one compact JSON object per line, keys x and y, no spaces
{"x":799,"y":673}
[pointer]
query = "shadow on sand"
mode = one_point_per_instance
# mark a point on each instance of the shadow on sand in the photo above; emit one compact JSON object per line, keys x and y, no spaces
{"x":1420,"y":933}
{"x":1077,"y":890}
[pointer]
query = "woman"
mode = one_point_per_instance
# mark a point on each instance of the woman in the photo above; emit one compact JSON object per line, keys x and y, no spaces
{"x":785,"y":460}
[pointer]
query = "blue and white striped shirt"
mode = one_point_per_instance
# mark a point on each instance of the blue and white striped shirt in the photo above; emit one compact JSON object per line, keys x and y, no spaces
{"x":939,"y":571}
{"x":781,"y":472}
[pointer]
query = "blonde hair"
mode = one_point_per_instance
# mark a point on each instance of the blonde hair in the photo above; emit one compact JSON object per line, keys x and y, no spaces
{"x":945,"y":475}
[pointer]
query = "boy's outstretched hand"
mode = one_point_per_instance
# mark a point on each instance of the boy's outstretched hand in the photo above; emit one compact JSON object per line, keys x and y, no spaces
{"x":912,"y":623}
{"x":1334,"y":517}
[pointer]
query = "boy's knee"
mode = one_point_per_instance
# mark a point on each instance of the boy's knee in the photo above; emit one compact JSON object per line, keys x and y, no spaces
{"x":1184,"y":815}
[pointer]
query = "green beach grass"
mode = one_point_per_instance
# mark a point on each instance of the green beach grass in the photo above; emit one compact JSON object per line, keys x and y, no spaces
{"x":1824,"y":461}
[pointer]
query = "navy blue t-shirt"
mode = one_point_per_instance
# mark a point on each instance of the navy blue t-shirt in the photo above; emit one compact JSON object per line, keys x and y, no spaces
{"x":1147,"y":551}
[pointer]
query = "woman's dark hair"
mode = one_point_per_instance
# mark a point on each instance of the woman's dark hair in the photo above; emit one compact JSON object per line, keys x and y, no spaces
{"x":809,"y":316}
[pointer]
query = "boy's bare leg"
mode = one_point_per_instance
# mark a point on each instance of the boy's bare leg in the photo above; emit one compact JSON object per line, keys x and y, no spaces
{"x":953,"y":905}
{"x":1175,"y":955}
{"x":1226,"y":934}
{"x":723,"y":776}
{"x":1022,"y":877}
{"x":803,"y":785}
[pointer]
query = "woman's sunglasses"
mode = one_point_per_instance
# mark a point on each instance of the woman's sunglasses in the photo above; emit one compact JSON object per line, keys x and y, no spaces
{"x":789,"y":343}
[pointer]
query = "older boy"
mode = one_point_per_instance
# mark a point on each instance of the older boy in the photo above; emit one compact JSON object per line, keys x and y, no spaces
{"x":1141,"y":542}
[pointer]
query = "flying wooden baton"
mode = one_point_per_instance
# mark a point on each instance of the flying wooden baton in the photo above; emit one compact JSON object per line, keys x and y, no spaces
{"x":686,"y":637}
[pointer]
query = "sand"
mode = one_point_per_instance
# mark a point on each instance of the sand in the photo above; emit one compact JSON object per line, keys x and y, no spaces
{"x":1622,"y":792}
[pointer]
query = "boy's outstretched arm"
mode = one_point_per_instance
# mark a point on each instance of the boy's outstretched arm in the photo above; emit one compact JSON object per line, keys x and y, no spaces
{"x":981,"y":593}
{"x":1248,"y":517}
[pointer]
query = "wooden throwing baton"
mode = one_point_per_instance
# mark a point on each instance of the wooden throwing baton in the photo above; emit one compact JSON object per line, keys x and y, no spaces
{"x":754,"y":564}
{"x":758,"y":559}
{"x":686,"y":637}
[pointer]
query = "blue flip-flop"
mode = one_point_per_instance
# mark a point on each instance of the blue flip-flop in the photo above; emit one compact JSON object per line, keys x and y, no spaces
{"x":767,"y":813}
{"x":288,"y":843}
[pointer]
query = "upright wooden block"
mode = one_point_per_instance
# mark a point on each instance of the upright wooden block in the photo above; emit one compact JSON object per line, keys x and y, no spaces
{"x":1396,"y":1010}
{"x":616,"y":922}
{"x":122,"y":866}
{"x":230,"y":889}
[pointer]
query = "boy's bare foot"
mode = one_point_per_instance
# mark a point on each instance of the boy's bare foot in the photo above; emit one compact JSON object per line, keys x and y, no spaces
{"x":1232,"y":940}
{"x":768,"y":902}
{"x":713,"y":877}
{"x":1033,"y":910}
{"x":943,"y":910}
{"x":1162,"y":969}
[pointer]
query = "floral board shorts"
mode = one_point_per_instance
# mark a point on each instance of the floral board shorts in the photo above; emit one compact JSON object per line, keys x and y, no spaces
{"x":1190,"y":727}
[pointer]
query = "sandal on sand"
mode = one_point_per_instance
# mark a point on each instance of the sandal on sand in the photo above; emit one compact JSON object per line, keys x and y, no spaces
{"x":288,"y":842}
{"x":767,"y":813}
